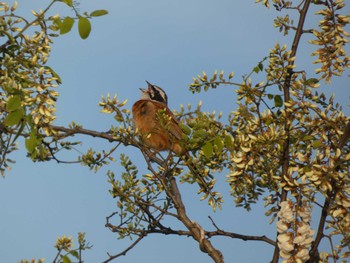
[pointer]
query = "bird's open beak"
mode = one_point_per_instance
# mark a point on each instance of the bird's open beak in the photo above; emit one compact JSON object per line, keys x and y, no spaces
{"x":149,"y":85}
{"x":143,"y":90}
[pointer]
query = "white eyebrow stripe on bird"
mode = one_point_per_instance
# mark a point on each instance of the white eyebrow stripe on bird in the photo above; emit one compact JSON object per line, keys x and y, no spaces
{"x":157,"y":94}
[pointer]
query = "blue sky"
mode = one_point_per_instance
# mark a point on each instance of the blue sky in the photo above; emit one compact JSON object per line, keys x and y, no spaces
{"x":167,"y":43}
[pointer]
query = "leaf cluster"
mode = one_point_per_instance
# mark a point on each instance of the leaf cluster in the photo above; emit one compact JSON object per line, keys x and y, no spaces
{"x":28,"y":85}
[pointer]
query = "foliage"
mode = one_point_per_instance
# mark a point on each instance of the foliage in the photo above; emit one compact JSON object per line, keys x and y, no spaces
{"x":65,"y":251}
{"x":29,"y":86}
{"x":285,"y":144}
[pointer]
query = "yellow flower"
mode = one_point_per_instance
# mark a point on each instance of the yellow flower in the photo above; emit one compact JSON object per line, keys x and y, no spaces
{"x":64,"y":243}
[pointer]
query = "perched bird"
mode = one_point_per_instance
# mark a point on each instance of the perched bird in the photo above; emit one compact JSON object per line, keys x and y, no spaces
{"x":158,"y":127}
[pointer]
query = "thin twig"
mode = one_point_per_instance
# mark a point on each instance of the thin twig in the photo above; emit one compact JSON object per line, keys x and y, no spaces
{"x":221,"y":232}
{"x":123,"y":253}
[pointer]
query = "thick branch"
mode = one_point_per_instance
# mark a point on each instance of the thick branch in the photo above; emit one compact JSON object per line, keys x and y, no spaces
{"x":286,"y":92}
{"x":196,"y":230}
{"x":314,"y":250}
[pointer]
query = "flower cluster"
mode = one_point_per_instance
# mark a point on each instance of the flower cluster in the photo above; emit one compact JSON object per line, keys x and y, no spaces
{"x":64,"y":243}
{"x":331,"y":38}
{"x":294,"y":232}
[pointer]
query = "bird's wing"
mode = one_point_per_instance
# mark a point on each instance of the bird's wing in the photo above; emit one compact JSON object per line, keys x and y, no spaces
{"x":173,"y":126}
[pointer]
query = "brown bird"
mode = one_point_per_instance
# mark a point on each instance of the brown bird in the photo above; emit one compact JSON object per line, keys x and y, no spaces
{"x":158,"y":127}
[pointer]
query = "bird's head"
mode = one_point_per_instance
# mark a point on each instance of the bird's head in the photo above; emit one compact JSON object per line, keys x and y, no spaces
{"x":154,"y":93}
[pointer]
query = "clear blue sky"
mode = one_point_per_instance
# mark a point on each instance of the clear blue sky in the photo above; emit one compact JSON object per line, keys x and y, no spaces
{"x":167,"y":43}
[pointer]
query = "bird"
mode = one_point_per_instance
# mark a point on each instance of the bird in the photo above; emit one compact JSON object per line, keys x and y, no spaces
{"x":159,"y":128}
{"x":156,"y":124}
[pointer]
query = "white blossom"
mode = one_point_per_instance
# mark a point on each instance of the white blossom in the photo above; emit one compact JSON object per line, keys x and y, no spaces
{"x":295,"y":235}
{"x":281,"y":226}
{"x":303,"y":254}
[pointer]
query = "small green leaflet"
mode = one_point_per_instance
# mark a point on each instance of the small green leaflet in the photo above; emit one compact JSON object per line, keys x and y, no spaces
{"x":14,"y":117}
{"x":219,"y":144}
{"x":185,"y":128}
{"x":316,"y":144}
{"x":32,"y":142}
{"x":207,"y":150}
{"x":258,"y":68}
{"x":228,"y":142}
{"x":74,"y":253}
{"x":66,"y":25}
{"x":84,"y":27}
{"x":68,"y":2}
{"x":66,"y":259}
{"x":311,"y":81}
{"x":278,"y":101}
{"x":99,"y":13}
{"x":14,"y":103}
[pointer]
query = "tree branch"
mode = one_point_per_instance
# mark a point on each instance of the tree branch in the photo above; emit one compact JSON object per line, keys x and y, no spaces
{"x":330,"y":196}
{"x":345,"y":137}
{"x":286,"y":92}
{"x":169,"y":231}
{"x":314,"y":249}
{"x":123,"y":253}
{"x":80,"y":130}
{"x":220,"y":232}
{"x":196,"y":230}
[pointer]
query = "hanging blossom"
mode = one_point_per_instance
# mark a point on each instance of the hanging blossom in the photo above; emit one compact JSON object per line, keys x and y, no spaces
{"x":294,"y":232}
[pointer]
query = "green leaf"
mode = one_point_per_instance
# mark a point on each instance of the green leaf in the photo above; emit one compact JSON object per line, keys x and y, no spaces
{"x":261,"y":66}
{"x":66,"y":259}
{"x":66,"y":25}
{"x":31,"y":142}
{"x":278,"y":101}
{"x":57,"y":22}
{"x":99,"y":13}
{"x":199,"y":133}
{"x":308,"y":138}
{"x":219,"y":144}
{"x":20,"y":130}
{"x":207,"y":150}
{"x":13,"y":118}
{"x":312,"y":81}
{"x":14,"y":103}
{"x":84,"y":27}
{"x":228,"y":142}
{"x":68,"y":2}
{"x":74,"y":253}
{"x":256,"y":70}
{"x":270,"y":96}
{"x":185,"y":128}
{"x":316,"y":144}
